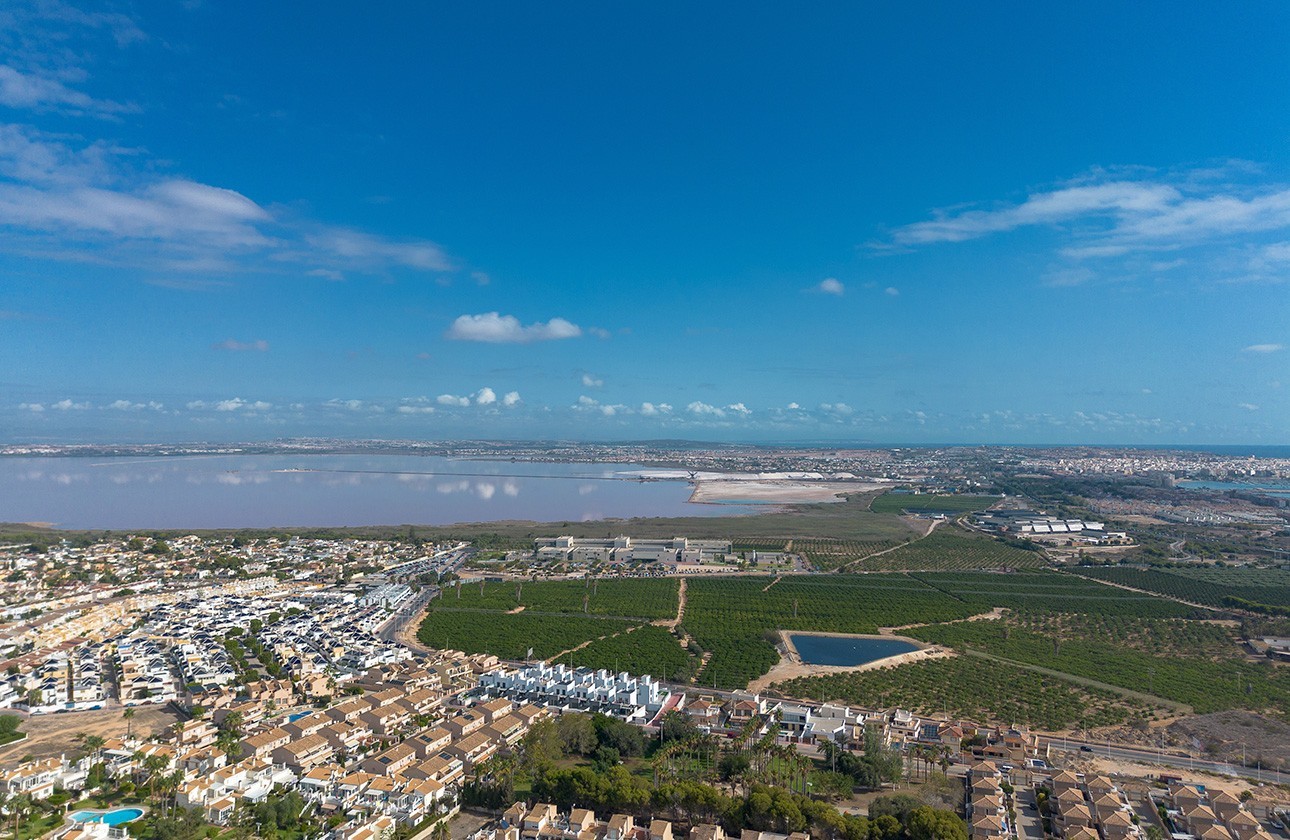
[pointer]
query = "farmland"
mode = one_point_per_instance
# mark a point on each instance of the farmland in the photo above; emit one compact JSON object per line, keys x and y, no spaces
{"x":510,"y":636}
{"x":828,"y":555}
{"x":644,"y":650}
{"x":649,"y":598}
{"x":977,"y":689}
{"x":897,"y":502}
{"x":733,"y":618}
{"x":1159,"y":667}
{"x":1205,"y":585}
{"x":1049,"y":590}
{"x":951,"y":548}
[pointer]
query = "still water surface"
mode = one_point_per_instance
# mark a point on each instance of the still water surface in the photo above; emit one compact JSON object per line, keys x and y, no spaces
{"x":261,"y":491}
{"x":836,"y":650}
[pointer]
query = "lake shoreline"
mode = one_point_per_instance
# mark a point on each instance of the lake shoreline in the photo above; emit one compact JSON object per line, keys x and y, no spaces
{"x":791,"y":666}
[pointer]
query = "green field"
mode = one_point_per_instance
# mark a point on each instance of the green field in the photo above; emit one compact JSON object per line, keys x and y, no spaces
{"x":648,"y":598}
{"x":645,"y":650}
{"x":1198,"y":665}
{"x":1049,"y":590}
{"x":952,"y":548}
{"x":932,"y":503}
{"x":1202,"y":585}
{"x":732,"y":618}
{"x":976,"y":689}
{"x":510,"y":636}
{"x":830,"y":555}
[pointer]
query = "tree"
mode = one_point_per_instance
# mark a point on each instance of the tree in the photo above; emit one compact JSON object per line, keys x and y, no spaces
{"x":926,"y":823}
{"x":577,"y":733}
{"x":128,"y":714}
{"x":676,"y":727}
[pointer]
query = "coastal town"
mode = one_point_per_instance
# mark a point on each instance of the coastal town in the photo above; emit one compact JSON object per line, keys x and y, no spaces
{"x":286,"y":670}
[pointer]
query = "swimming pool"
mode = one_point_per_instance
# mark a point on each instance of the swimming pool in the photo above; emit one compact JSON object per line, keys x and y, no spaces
{"x":117,"y":816}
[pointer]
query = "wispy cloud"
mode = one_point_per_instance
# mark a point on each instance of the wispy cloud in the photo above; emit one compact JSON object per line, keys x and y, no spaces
{"x":1264,"y":348}
{"x":495,"y":328}
{"x":831,"y":286}
{"x":98,"y":203}
{"x":235,"y":346}
{"x":1101,"y":217}
{"x":34,"y":92}
{"x":590,"y":381}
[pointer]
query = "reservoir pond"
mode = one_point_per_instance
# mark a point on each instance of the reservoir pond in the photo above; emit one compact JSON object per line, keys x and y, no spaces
{"x":839,"y":650}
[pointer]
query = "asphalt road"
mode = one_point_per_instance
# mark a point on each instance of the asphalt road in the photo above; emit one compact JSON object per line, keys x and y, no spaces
{"x":1147,"y":756}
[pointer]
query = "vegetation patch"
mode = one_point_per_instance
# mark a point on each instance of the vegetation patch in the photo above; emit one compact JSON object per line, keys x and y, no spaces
{"x":511,"y":636}
{"x":971,"y":688}
{"x":930,"y":503}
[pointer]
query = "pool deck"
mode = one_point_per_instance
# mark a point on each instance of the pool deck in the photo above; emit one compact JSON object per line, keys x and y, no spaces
{"x":790,"y":663}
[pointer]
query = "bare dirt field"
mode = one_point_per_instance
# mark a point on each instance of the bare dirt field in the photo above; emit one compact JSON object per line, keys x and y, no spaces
{"x":53,"y":735}
{"x":776,"y":491}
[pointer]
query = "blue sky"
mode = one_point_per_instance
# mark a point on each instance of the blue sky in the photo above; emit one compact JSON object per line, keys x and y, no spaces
{"x":937,"y":222}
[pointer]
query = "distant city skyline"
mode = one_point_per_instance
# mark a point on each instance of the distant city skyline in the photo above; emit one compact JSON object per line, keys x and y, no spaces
{"x":986,"y":224}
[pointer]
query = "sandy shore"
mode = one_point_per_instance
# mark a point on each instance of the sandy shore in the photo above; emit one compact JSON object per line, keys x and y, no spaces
{"x":791,"y":666}
{"x":777,"y":492}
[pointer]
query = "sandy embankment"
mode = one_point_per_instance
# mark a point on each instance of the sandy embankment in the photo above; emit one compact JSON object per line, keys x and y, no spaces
{"x":790,"y":664}
{"x":776,"y":492}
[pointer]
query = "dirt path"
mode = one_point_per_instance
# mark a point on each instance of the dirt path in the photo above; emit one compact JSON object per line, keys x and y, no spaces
{"x":673,"y":623}
{"x":1181,"y":708}
{"x":993,"y":615}
{"x":1152,"y":594}
{"x":772,"y":583}
{"x":579,"y":647}
{"x":930,"y":528}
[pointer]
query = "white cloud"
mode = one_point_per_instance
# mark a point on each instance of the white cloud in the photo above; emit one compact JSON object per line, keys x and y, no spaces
{"x":485,"y":396}
{"x":793,"y":406}
{"x":702,"y":409}
{"x":831,"y":286}
{"x":1119,"y":198}
{"x":511,"y":399}
{"x":1247,"y":406}
{"x":104,"y":203}
{"x":348,"y":405}
{"x":68,"y":405}
{"x":739,"y":408}
{"x":374,"y":253}
{"x":126,"y":405}
{"x":235,"y":346}
{"x":600,"y":333}
{"x":1104,"y":218}
{"x":494,"y":328}
{"x":839,"y":408}
{"x":415,"y":409}
{"x":590,"y":381}
{"x":1264,"y":348}
{"x":655,"y":409}
{"x":33,"y":407}
{"x":235,"y":404}
{"x":452,"y":399}
{"x":893,"y":291}
{"x":40,"y":93}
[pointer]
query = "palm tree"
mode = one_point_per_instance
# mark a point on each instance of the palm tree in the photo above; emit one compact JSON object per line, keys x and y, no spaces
{"x":93,"y":745}
{"x":128,"y":714}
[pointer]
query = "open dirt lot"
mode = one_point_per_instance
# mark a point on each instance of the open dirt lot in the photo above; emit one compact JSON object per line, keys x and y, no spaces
{"x":52,"y":735}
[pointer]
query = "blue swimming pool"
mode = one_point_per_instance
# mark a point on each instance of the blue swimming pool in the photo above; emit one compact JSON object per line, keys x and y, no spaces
{"x":116,"y":816}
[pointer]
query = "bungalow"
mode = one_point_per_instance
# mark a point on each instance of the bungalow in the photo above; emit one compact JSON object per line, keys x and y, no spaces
{"x":391,"y":761}
{"x":304,"y":754}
